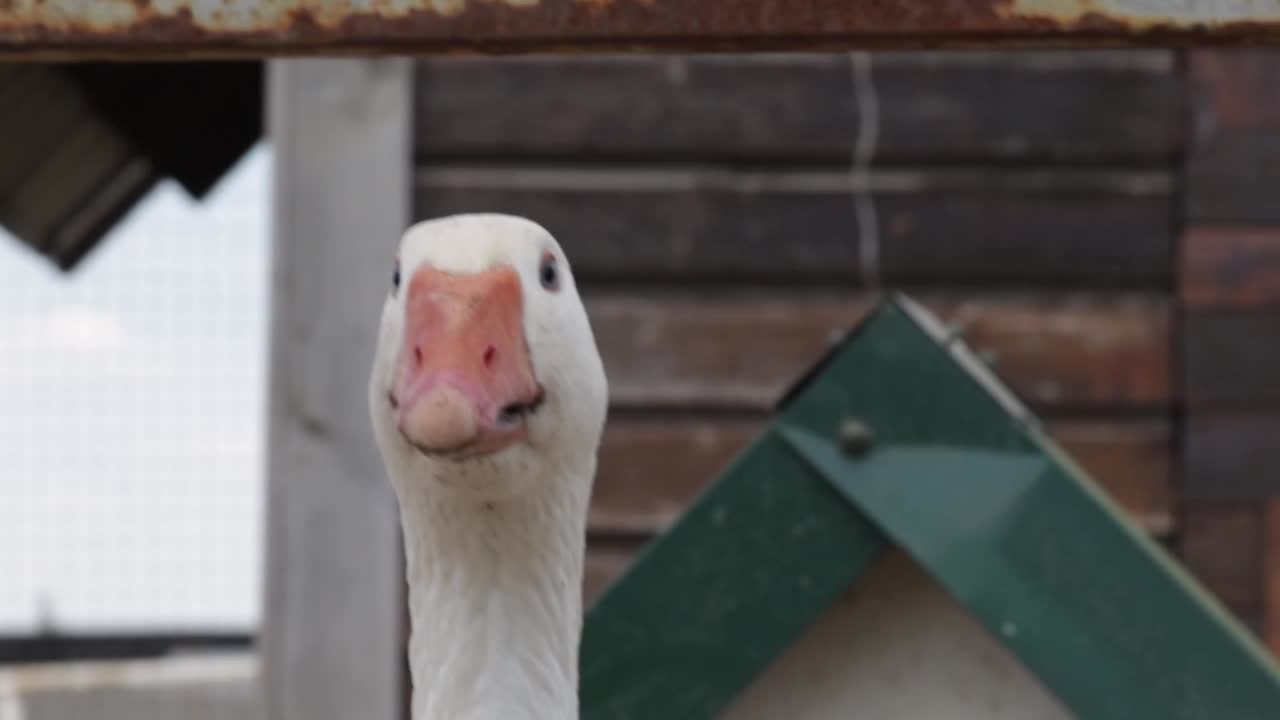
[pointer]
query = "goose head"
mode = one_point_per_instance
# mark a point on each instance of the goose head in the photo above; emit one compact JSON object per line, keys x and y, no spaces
{"x":486,"y":379}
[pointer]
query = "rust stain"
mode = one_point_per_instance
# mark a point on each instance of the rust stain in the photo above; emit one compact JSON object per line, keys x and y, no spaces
{"x":137,"y":27}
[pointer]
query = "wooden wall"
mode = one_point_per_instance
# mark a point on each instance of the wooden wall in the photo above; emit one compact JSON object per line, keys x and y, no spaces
{"x":1230,"y":302}
{"x":1037,"y":199}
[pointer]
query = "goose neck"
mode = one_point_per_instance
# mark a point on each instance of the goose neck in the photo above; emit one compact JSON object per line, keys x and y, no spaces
{"x":495,"y":604}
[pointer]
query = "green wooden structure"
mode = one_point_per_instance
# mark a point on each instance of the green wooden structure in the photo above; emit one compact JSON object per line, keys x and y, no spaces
{"x":902,"y":440}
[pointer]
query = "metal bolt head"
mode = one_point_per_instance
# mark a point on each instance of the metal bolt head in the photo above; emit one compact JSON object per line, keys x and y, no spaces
{"x":856,"y":437}
{"x":954,"y":332}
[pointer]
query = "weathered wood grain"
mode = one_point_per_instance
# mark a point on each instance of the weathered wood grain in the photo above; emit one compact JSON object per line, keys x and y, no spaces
{"x":743,"y":351}
{"x":1233,"y":158}
{"x":1230,"y":284}
{"x":1232,"y":457}
{"x":931,"y":106}
{"x":333,"y":638}
{"x":651,"y":468}
{"x":1222,"y":545}
{"x":1235,"y":89}
{"x":1232,"y":177}
{"x":956,"y":227}
{"x":1231,"y":359}
{"x":1234,"y":267}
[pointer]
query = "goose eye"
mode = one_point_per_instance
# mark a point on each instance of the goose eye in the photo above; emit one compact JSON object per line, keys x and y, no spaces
{"x":395,"y":277}
{"x":549,"y":273}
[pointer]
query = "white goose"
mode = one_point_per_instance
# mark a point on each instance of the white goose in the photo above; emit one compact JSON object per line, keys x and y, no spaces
{"x":488,"y":399}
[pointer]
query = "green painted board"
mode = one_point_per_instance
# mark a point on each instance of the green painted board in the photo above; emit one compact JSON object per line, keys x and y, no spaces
{"x":701,"y":612}
{"x":1111,"y":630}
{"x":960,"y":477}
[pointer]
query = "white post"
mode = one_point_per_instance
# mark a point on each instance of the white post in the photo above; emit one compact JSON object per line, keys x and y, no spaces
{"x":333,"y":641}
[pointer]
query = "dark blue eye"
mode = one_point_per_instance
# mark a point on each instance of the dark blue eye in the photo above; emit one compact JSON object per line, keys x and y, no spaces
{"x":549,"y":272}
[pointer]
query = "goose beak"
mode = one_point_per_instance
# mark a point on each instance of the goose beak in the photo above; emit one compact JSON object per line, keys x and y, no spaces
{"x":464,"y":382}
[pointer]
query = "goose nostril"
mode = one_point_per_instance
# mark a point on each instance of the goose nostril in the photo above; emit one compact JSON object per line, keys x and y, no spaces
{"x":509,"y":414}
{"x":490,"y":354}
{"x":417,"y":357}
{"x":391,"y":398}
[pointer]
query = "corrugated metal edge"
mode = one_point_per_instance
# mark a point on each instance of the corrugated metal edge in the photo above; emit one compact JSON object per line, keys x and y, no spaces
{"x":136,"y":28}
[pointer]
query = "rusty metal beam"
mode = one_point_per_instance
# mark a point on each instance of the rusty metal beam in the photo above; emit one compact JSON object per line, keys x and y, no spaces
{"x":134,"y":29}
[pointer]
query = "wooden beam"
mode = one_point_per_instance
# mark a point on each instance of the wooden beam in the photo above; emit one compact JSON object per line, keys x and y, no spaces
{"x":333,"y":639}
{"x":124,"y":28}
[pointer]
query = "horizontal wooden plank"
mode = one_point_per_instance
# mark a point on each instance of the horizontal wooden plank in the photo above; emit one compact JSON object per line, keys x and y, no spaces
{"x":1028,"y":229}
{"x":650,"y":469}
{"x":1080,"y":353}
{"x":933,"y":107}
{"x":1230,"y":358}
{"x":1225,"y":266}
{"x":1222,"y":546}
{"x":1232,"y":177}
{"x":1235,"y":89}
{"x":1232,"y":457}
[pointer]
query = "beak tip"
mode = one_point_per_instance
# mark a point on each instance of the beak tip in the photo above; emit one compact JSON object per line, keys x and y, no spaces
{"x":442,"y":419}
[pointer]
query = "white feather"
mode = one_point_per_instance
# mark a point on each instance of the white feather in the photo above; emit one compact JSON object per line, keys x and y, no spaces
{"x":494,"y":546}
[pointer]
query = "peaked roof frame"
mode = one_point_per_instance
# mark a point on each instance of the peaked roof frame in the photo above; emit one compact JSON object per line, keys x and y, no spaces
{"x":959,"y":476}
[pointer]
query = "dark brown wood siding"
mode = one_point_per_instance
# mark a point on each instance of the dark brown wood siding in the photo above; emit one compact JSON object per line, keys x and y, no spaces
{"x":718,"y":226}
{"x":1229,"y":308}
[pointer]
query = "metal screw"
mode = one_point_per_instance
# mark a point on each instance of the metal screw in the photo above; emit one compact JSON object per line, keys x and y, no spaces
{"x":856,"y":437}
{"x":954,"y":332}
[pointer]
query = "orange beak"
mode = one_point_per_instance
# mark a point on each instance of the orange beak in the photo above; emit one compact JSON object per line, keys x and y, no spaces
{"x":464,"y":382}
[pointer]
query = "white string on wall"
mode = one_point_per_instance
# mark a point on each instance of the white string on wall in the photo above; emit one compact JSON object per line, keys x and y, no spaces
{"x":864,"y":150}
